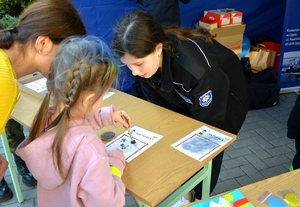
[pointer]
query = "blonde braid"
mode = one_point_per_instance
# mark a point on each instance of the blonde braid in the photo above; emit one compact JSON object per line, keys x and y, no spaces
{"x":80,"y":64}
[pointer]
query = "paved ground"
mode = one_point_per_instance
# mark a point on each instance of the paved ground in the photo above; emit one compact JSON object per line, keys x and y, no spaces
{"x":262,"y":150}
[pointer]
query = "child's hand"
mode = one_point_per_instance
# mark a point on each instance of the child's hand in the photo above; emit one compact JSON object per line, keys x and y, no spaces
{"x":123,"y":118}
{"x":117,"y":152}
{"x":3,"y":166}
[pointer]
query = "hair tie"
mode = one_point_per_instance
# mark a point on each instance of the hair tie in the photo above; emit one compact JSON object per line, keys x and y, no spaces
{"x":15,"y":30}
{"x":67,"y":105}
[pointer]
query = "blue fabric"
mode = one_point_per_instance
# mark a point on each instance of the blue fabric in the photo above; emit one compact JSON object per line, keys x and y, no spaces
{"x":262,"y":18}
{"x":99,"y":17}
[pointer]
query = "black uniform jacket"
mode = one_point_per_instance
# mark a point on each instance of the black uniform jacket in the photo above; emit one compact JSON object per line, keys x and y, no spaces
{"x":202,"y":81}
{"x":293,"y":123}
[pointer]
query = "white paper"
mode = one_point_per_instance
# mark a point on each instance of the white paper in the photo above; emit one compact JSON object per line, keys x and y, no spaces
{"x":143,"y":140}
{"x":108,"y":94}
{"x":201,"y":143}
{"x":38,"y":85}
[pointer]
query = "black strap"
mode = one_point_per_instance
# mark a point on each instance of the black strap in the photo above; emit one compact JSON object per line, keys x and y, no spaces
{"x":190,"y":56}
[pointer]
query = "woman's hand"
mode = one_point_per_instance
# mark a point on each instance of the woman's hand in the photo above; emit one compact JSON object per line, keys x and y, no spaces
{"x":123,"y":118}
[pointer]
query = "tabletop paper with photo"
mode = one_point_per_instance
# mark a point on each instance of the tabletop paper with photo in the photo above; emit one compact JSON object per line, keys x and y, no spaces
{"x":143,"y":140}
{"x":201,"y":143}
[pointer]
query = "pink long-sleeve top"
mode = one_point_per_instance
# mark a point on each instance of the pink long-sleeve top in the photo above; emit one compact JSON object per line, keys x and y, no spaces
{"x":90,"y":182}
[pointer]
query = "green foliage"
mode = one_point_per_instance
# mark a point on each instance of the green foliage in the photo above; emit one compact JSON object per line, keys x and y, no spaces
{"x":10,"y":11}
{"x":8,"y":21}
{"x":13,"y":7}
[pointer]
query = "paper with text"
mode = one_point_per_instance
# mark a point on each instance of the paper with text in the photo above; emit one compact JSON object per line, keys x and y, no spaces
{"x":40,"y":86}
{"x":201,"y":143}
{"x":108,"y":94}
{"x":143,"y":140}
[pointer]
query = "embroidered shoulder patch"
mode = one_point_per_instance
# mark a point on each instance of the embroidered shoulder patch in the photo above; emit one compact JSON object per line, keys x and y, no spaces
{"x":205,"y":99}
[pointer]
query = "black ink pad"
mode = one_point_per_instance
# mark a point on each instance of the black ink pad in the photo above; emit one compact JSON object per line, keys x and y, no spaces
{"x":108,"y":136}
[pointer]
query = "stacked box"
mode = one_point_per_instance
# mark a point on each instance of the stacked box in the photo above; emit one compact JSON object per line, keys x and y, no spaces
{"x":222,"y":18}
{"x":227,"y":27}
{"x":207,"y":24}
{"x":231,"y":36}
{"x":235,"y":16}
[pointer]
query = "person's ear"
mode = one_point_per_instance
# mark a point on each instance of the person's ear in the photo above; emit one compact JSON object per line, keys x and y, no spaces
{"x":43,"y":45}
{"x":158,"y":49}
{"x":87,"y":99}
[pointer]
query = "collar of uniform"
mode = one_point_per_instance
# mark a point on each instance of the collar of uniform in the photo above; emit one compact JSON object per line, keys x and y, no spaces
{"x":164,"y":79}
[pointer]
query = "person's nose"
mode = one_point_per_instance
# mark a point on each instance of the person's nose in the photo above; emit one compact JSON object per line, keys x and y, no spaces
{"x":135,"y":71}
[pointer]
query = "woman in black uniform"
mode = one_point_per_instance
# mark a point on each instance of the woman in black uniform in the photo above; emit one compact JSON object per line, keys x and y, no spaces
{"x":184,"y":70}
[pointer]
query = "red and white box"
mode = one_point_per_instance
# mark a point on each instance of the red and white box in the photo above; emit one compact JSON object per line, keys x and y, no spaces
{"x":222,"y":18}
{"x":207,"y":23}
{"x":235,"y":16}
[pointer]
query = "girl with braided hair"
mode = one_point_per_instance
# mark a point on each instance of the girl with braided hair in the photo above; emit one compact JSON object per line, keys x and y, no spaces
{"x":63,"y":152}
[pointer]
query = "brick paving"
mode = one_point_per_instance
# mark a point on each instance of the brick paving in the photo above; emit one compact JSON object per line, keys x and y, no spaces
{"x":261,"y":150}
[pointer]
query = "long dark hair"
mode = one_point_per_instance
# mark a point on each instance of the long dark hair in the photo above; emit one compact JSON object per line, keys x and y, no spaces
{"x":138,"y":34}
{"x":56,"y":19}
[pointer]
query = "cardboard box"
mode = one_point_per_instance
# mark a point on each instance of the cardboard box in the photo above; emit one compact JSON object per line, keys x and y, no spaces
{"x":230,"y":36}
{"x":207,"y":23}
{"x":235,"y":16}
{"x":222,"y":18}
{"x":34,"y":84}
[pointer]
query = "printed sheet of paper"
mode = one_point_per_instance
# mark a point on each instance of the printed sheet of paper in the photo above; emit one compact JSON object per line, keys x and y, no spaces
{"x":38,"y":85}
{"x":108,"y":94}
{"x":144,"y":139}
{"x":201,"y":143}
